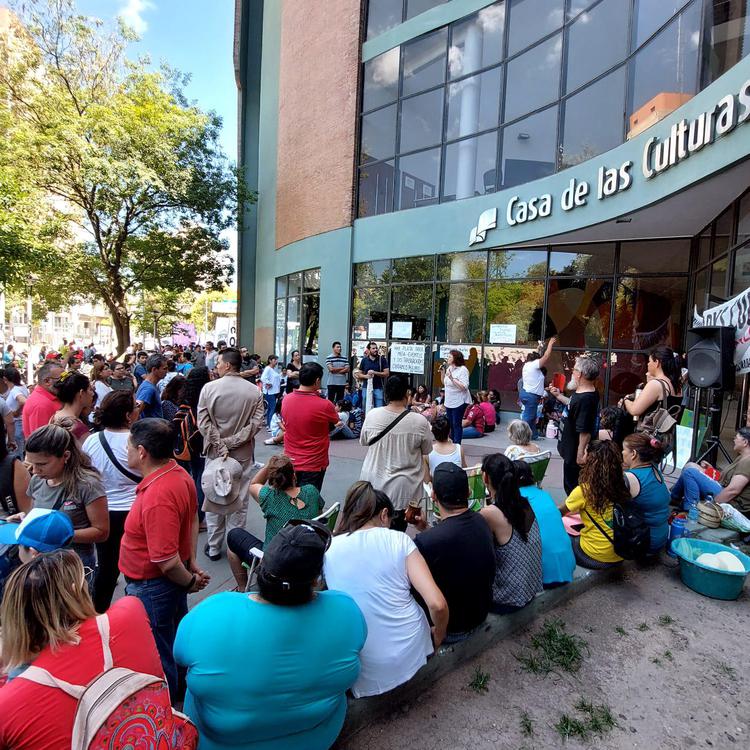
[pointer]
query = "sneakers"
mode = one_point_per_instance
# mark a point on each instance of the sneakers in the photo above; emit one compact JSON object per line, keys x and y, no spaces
{"x":207,"y":553}
{"x":270,"y":441}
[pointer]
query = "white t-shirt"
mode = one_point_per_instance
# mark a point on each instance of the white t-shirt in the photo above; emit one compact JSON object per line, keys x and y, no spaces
{"x":272,"y":377}
{"x":435,"y":458}
{"x":370,"y":566}
{"x":455,"y":396}
{"x":11,"y":398}
{"x":533,"y":378}
{"x":120,"y":489}
{"x":102,"y":389}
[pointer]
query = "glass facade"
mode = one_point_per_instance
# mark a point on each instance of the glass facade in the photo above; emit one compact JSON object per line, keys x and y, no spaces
{"x":297,"y":314}
{"x":524,"y":88}
{"x":613,"y":300}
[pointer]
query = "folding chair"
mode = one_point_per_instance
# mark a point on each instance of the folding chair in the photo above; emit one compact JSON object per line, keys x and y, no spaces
{"x":477,"y":490}
{"x":330,"y":516}
{"x":538,"y":463}
{"x":253,"y":566}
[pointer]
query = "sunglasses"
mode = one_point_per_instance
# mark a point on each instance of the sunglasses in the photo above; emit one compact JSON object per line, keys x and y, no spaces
{"x":322,"y":531}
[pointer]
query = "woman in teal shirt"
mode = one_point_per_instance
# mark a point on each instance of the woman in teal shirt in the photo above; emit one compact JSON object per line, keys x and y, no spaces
{"x":270,"y":671}
{"x":641,"y":456}
{"x":558,"y":561}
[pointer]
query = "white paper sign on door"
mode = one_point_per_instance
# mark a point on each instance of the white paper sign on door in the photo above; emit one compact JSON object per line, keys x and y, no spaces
{"x":401,"y":329}
{"x":376,"y":331}
{"x":502,"y":333}
{"x":407,"y":358}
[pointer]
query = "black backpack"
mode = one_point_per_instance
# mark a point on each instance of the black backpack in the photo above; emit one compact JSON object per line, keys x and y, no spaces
{"x":631,"y":536}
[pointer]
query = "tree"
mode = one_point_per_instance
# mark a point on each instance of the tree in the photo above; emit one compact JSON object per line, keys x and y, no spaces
{"x":137,"y":168}
{"x":160,"y":310}
{"x":202,"y":315}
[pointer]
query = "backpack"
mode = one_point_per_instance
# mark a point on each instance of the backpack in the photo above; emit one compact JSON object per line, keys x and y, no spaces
{"x":631,"y":536}
{"x":121,"y":708}
{"x":661,"y":424}
{"x":186,"y":432}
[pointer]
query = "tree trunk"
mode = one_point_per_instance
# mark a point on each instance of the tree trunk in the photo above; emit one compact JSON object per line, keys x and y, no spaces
{"x":121,"y":322}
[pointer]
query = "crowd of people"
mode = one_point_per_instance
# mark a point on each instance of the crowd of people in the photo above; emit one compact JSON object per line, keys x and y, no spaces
{"x":104,"y":472}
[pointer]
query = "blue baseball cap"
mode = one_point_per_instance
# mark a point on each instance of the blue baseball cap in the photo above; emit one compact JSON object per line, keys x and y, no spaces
{"x":43,"y":530}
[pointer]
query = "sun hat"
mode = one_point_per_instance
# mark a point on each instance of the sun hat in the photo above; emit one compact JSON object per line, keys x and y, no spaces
{"x":221,"y":483}
{"x":42,"y":529}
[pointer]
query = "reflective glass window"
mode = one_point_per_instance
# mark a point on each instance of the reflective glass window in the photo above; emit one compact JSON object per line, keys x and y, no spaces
{"x":413,"y":304}
{"x":704,"y":248}
{"x":421,"y":121}
{"x":699,"y":290}
{"x":293,"y":325}
{"x":592,"y":120}
{"x":597,"y":40}
{"x":723,"y":231}
{"x":418,"y":268}
{"x":311,"y":310}
{"x":371,"y":273}
{"x":650,"y":15}
{"x":379,"y":134}
{"x":462,"y":266}
{"x":649,"y":312}
{"x":502,"y":371}
{"x":369,"y":305}
{"x":419,"y":179}
{"x":280,"y":336}
{"x":743,"y":220}
{"x":659,"y":256}
{"x":533,"y":78}
{"x":576,"y":6}
{"x":585,"y":260}
{"x":509,"y":264}
{"x":383,"y":15}
{"x":719,"y":279}
{"x":376,"y":186}
{"x":415,"y":7}
{"x":474,"y":104}
{"x":459,"y":311}
{"x":531,"y":20}
{"x":424,"y":62}
{"x":578,"y":311}
{"x":281,"y":286}
{"x":741,"y":271}
{"x":727,"y":27}
{"x":477,"y":41}
{"x":664,"y":74}
{"x":312,"y":280}
{"x":530,"y":148}
{"x":294,"y":280}
{"x":516,"y":303}
{"x":380,"y":84}
{"x":627,"y":370}
{"x":470,"y":167}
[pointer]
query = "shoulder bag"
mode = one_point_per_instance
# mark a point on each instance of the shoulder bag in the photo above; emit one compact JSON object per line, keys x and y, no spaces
{"x":113,"y":459}
{"x":387,"y":429}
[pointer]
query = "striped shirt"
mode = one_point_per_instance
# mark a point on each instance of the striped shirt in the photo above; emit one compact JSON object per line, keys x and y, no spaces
{"x":335,"y":378}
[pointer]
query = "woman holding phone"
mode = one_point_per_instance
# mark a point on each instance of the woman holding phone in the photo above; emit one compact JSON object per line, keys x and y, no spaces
{"x":455,"y":378}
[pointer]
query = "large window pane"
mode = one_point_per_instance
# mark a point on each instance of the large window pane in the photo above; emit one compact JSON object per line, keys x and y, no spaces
{"x":281,"y":286}
{"x":470,"y":167}
{"x":592,"y":119}
{"x":383,"y":15}
{"x":728,"y":30}
{"x":533,"y":78}
{"x":597,"y":40}
{"x":741,"y":271}
{"x":462,"y":266}
{"x":424,"y":62}
{"x":659,"y":256}
{"x":412,"y":304}
{"x":578,"y":312}
{"x":381,"y":79}
{"x":517,"y":264}
{"x":723,"y":232}
{"x":699,"y":291}
{"x":368,"y":306}
{"x":280,"y":335}
{"x":626,"y":372}
{"x":459,"y":310}
{"x":419,"y":268}
{"x":474,"y":104}
{"x":294,"y":281}
{"x":650,"y":15}
{"x":311,"y":310}
{"x":530,"y":148}
{"x":312,"y":280}
{"x":704,"y":248}
{"x":376,"y":186}
{"x":378,"y":135}
{"x":293,"y":325}
{"x":517,"y":303}
{"x":477,"y":41}
{"x":663,"y":75}
{"x":743,"y":220}
{"x":503,"y":368}
{"x":371,"y":273}
{"x":421,"y":121}
{"x":582,"y":260}
{"x":719,"y":280}
{"x":649,"y":312}
{"x":531,"y":20}
{"x":415,"y":7}
{"x":419,"y":176}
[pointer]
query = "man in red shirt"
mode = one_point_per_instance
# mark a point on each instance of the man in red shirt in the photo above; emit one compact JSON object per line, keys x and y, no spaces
{"x":308,"y":420}
{"x":42,"y":403}
{"x":158,"y":548}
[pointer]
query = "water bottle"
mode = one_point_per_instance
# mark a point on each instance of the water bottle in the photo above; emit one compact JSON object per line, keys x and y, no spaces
{"x":676,"y":530}
{"x":692,"y":510}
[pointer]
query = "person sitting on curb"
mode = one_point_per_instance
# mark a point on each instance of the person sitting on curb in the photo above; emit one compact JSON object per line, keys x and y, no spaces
{"x":277,"y":426}
{"x":459,"y":552}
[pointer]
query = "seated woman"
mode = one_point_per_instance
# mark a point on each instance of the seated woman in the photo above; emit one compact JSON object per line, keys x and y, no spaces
{"x":490,"y":415}
{"x":734,"y":487}
{"x":518,"y":544}
{"x":640,"y":457}
{"x":601,"y":483}
{"x":421,"y":399}
{"x":378,"y":567}
{"x":443,"y":449}
{"x":558,"y":561}
{"x":49,"y":622}
{"x":270,"y":670}
{"x":473,"y":422}
{"x":520,"y":446}
{"x":276,"y":427}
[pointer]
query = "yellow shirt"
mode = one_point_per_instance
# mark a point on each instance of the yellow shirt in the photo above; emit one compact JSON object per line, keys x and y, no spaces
{"x":593,"y":542}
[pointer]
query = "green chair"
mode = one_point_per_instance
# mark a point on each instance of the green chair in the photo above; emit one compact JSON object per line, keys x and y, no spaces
{"x":330,"y":516}
{"x":538,"y":464}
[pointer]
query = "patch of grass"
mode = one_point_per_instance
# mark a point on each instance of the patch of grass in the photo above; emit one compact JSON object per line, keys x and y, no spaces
{"x":668,"y":655}
{"x":480,"y":681}
{"x":620,"y":630}
{"x":597,"y":720}
{"x":527,"y":725}
{"x":665,"y":620}
{"x":570,"y":726}
{"x":726,"y":671}
{"x":552,"y":649}
{"x":656,"y":660}
{"x":643,"y":627}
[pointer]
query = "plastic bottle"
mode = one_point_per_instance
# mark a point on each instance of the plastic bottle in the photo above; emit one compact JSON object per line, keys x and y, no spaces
{"x":692,"y":510}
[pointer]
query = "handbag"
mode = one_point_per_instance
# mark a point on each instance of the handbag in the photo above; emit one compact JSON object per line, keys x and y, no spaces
{"x":661,"y":422}
{"x":387,"y":429}
{"x":113,"y":459}
{"x":631,"y":536}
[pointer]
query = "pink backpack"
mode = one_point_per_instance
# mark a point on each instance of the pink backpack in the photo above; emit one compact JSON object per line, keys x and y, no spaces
{"x":121,"y":708}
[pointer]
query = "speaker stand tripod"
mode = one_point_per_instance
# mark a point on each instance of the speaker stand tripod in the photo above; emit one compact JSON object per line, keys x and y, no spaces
{"x":713,"y":413}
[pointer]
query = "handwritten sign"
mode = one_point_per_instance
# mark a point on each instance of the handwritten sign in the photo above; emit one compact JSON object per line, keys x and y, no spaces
{"x":407,"y":358}
{"x":501,"y":333}
{"x":463,"y":348}
{"x":401,"y":329}
{"x":376,"y":331}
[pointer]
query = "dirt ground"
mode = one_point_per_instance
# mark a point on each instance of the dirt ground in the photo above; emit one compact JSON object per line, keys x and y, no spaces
{"x":675,"y":685}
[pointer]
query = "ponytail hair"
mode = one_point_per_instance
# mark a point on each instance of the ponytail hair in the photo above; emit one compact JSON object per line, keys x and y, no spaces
{"x":501,"y":473}
{"x":362,"y":503}
{"x":649,"y":449}
{"x":668,"y":363}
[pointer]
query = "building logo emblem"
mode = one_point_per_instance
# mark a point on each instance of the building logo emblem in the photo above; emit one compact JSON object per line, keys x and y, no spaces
{"x":487,"y":220}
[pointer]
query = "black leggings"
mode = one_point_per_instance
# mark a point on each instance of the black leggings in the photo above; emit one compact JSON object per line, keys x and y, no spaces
{"x":108,"y":570}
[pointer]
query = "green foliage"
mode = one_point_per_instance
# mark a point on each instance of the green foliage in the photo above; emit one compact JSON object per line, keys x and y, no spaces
{"x":553,"y":649}
{"x":201,"y":315}
{"x":122,"y":156}
{"x":665,"y":620}
{"x":480,"y":681}
{"x":621,"y":631}
{"x":527,"y":725}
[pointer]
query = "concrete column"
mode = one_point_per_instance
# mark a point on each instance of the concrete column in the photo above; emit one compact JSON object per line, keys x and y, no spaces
{"x":466,"y":166}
